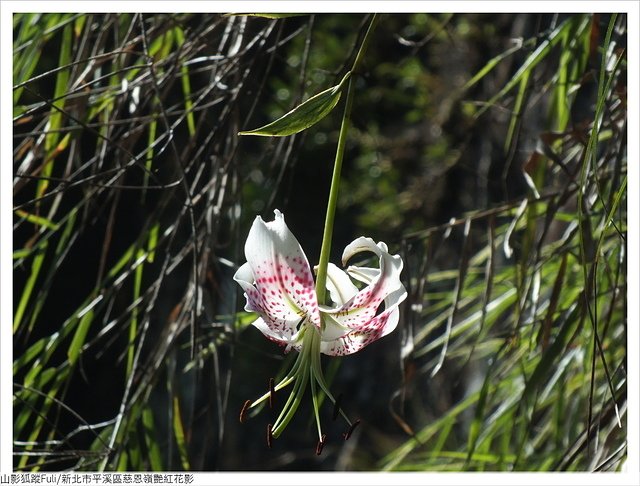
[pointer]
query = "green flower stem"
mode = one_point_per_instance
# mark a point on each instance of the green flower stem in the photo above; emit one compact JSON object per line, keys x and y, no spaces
{"x":282,"y":384}
{"x":307,"y":368}
{"x":316,"y":405}
{"x":365,"y":43}
{"x":321,"y":281}
{"x":293,"y":402}
{"x":301,"y":380}
{"x":316,"y":369}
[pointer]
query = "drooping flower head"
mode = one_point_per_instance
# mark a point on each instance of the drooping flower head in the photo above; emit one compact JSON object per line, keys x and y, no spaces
{"x":279,"y":286}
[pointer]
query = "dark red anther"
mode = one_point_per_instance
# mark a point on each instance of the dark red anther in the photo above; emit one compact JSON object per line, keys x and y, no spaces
{"x":336,"y":407}
{"x":320,"y":445}
{"x":272,"y":393}
{"x":243,"y":412}
{"x":269,"y":436}
{"x":351,"y":429}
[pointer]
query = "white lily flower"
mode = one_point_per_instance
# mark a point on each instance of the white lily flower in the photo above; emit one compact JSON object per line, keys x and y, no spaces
{"x":279,"y":286}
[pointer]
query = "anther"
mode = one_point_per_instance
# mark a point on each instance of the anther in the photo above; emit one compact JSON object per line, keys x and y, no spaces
{"x":243,"y":412}
{"x":320,"y":445}
{"x":269,"y":436}
{"x":351,"y":429}
{"x":336,"y":407}
{"x":272,"y":393}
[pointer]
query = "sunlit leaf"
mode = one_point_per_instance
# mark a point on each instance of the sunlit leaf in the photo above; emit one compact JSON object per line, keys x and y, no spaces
{"x":37,"y":220}
{"x":28,"y":287}
{"x":178,"y":431}
{"x":79,"y":337}
{"x":302,"y":116}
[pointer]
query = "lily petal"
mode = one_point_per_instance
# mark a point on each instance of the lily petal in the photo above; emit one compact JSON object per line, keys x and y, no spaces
{"x":282,"y":320}
{"x":340,"y":287}
{"x":363,"y":274}
{"x":359,"y":313}
{"x":284,"y":338}
{"x":354,"y":340}
{"x":277,"y":280}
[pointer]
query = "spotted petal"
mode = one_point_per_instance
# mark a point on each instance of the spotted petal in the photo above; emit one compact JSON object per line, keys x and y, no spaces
{"x":356,"y":323}
{"x":339,"y":340}
{"x":277,"y":280}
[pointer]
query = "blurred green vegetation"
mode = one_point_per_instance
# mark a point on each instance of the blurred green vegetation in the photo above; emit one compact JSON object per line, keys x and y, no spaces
{"x":489,"y":150}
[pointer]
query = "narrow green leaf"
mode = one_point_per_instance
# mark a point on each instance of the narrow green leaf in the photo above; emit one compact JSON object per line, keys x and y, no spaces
{"x":133,"y":327}
{"x":244,"y":319}
{"x":478,"y":419}
{"x":28,"y":287}
{"x":153,"y":126}
{"x":178,"y":431}
{"x":61,"y":247}
{"x":79,"y":337}
{"x":545,"y":332}
{"x":78,"y":25}
{"x":517,"y":111}
{"x":67,"y":232}
{"x":532,"y":61}
{"x":29,"y":355}
{"x":56,"y":119}
{"x":32,"y":36}
{"x":567,"y":323}
{"x":303,"y":116}
{"x":122,"y":462}
{"x":135,"y":452}
{"x":393,"y":459}
{"x":153,"y":242}
{"x":562,"y":114}
{"x":445,"y":431}
{"x":58,"y":376}
{"x":38,"y":376}
{"x":127,"y":257}
{"x":186,"y":86}
{"x":162,"y":45}
{"x":155,"y":460}
{"x":37,"y":220}
{"x":505,"y":446}
{"x":188,"y":104}
{"x":489,"y":66}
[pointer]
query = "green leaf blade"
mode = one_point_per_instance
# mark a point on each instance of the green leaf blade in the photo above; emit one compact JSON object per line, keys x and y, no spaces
{"x":178,"y":430}
{"x":304,"y":115}
{"x":79,"y":337}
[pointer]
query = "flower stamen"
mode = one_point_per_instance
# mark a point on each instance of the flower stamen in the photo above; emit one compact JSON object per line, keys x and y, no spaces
{"x":272,"y":393}
{"x":348,"y":433}
{"x":320,"y":445}
{"x":245,"y":407}
{"x":269,"y":436}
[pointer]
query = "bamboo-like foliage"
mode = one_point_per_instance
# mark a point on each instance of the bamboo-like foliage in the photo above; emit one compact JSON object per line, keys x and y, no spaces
{"x":133,"y":147}
{"x":535,"y":312}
